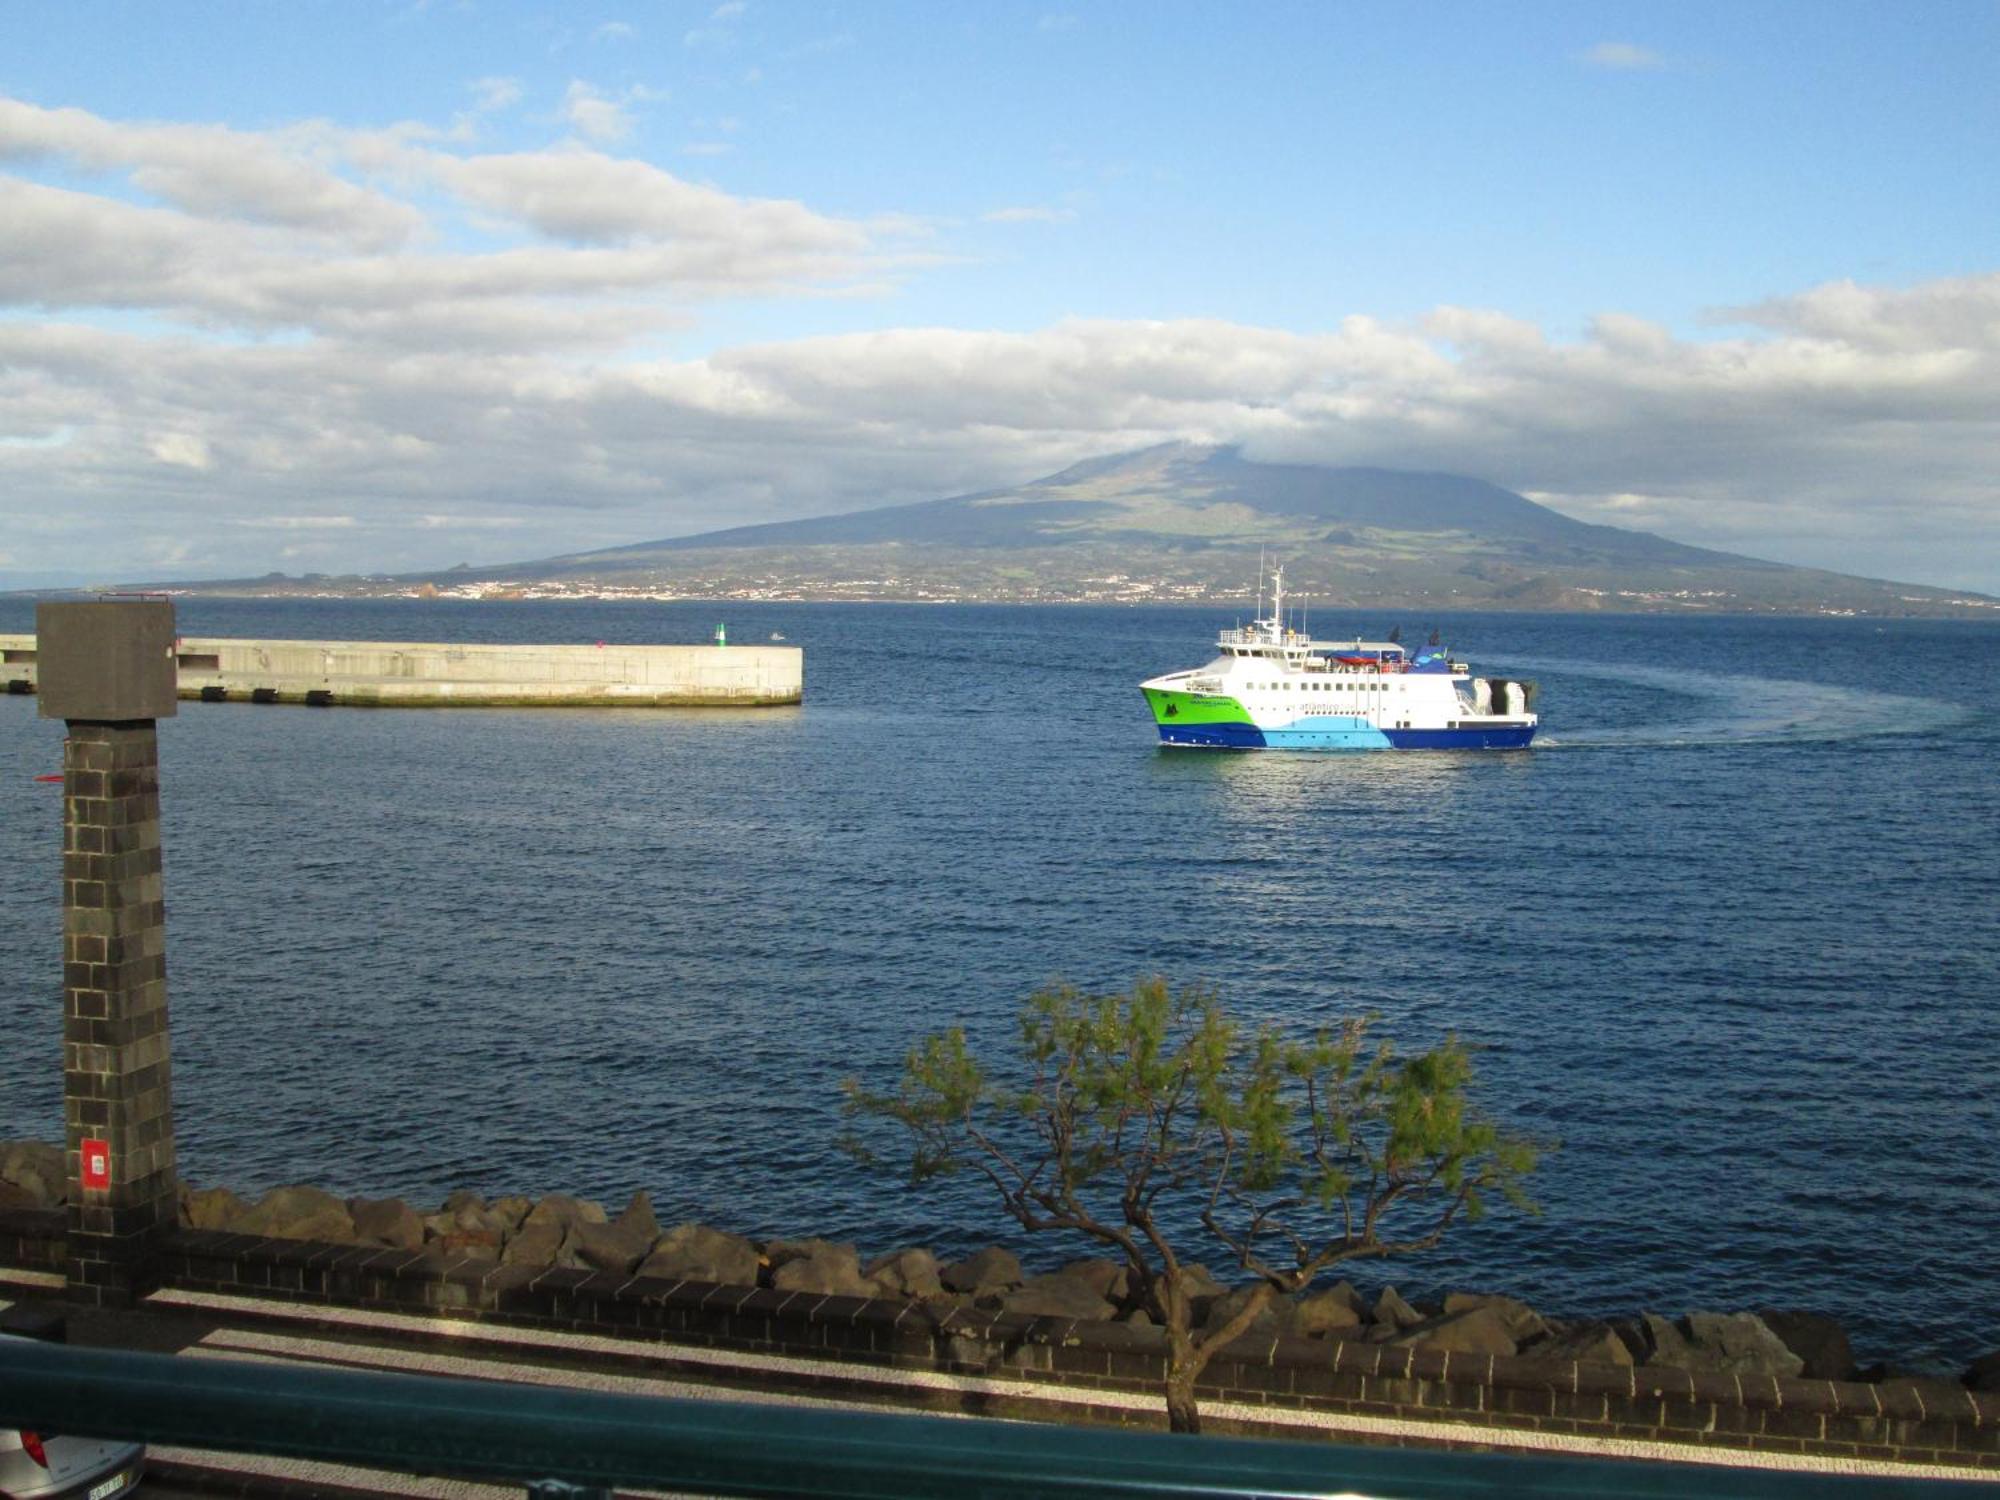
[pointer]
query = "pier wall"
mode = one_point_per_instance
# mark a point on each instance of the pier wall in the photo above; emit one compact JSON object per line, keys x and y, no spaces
{"x":413,"y":674}
{"x":895,"y":1351}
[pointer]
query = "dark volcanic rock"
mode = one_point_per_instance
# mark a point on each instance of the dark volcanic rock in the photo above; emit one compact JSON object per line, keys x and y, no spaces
{"x":1391,"y":1311}
{"x":1056,"y":1296}
{"x":1476,"y":1330}
{"x":694,"y":1252}
{"x":297,"y":1213}
{"x":386,"y":1221}
{"x":1724,"y":1343}
{"x":1331,"y":1311}
{"x":1816,"y":1339}
{"x":989,"y":1271}
{"x":905,"y":1273}
{"x":38,"y":1169}
{"x":1585,"y":1344}
{"x":824,"y":1267}
{"x":532,"y":1245}
{"x":209,"y":1208}
{"x":1522,"y":1322}
{"x":638,"y":1218}
{"x":1271,"y":1319}
{"x":1984,"y":1372}
{"x":563,"y":1210}
{"x":1109,"y":1279}
{"x":611,"y":1247}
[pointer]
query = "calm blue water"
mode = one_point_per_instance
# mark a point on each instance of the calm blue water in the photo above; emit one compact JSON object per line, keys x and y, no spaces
{"x":1729,"y":931}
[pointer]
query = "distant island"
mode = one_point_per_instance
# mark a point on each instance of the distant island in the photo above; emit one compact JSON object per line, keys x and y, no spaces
{"x":1179,"y":524}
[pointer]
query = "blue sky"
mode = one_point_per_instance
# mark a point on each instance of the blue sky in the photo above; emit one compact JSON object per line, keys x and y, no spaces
{"x":345,"y":286}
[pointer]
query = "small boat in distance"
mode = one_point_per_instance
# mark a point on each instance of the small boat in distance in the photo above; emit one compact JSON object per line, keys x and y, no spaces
{"x":1275,"y":688}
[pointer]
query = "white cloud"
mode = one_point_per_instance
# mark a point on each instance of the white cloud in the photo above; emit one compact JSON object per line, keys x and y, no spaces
{"x":594,"y":116}
{"x":283,"y":341}
{"x":1624,"y":57}
{"x":182,"y":450}
{"x":615,"y":31}
{"x":211,"y":172}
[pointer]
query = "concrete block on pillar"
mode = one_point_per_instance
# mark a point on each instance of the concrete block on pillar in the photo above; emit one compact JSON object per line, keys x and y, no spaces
{"x":107,"y":660}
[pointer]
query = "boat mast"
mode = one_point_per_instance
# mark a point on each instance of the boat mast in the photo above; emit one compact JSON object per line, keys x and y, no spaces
{"x":1278,"y":601}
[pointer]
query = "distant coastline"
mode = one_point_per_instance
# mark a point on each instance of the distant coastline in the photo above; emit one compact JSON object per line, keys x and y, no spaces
{"x":472,"y":586}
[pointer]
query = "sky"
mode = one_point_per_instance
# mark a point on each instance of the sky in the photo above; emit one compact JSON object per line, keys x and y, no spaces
{"x":385,"y":287}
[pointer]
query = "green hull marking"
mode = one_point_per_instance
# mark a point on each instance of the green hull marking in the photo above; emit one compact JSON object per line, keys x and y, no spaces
{"x":1194,"y":708}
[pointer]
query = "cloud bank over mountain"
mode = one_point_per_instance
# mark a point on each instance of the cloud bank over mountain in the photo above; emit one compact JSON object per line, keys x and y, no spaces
{"x":310,"y":346}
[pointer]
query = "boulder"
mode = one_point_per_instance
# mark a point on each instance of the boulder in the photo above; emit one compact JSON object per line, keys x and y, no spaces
{"x":511,"y":1210}
{"x":38,"y":1169}
{"x":904,"y":1273}
{"x":991,"y":1270}
{"x":825,"y":1268}
{"x":1724,"y":1343}
{"x":638,"y":1218}
{"x":563,"y":1210}
{"x":1391,"y":1311}
{"x":1816,"y":1339}
{"x":297,"y":1213}
{"x":777,"y":1252}
{"x":1585,"y":1344}
{"x":1317,"y":1314}
{"x":611,"y":1247}
{"x":1522,"y":1322}
{"x":1057,"y":1296}
{"x":694,"y":1252}
{"x":386,"y":1221}
{"x":14,"y":1196}
{"x":1271,"y":1318}
{"x":1476,"y":1330}
{"x":1983,"y":1374}
{"x":1109,"y":1279}
{"x":468,"y":1212}
{"x":481,"y":1244}
{"x":530,"y":1245}
{"x":209,"y":1208}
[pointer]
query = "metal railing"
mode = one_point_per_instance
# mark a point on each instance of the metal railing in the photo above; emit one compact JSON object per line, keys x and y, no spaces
{"x":559,"y":1440}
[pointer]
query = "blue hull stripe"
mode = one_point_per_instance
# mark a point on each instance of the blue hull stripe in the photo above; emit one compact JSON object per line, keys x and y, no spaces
{"x":1249,"y":737}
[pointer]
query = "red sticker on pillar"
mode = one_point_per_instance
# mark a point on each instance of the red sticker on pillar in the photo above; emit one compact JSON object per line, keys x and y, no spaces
{"x":96,"y":1163}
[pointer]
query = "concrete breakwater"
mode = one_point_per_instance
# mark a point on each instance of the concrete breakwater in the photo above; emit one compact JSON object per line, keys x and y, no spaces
{"x":412,"y":674}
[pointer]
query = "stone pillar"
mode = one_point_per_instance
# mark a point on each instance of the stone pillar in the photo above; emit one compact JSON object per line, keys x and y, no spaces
{"x":107,"y":669}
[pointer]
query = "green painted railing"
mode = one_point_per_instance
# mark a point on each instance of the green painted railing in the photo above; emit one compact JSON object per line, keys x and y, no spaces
{"x":529,"y":1434}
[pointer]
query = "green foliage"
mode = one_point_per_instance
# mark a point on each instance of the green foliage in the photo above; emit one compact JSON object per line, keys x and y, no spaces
{"x":1296,"y":1154}
{"x":1134,"y":1112}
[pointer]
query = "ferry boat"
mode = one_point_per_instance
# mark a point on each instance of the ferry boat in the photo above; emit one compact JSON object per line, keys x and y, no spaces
{"x":1271,"y":687}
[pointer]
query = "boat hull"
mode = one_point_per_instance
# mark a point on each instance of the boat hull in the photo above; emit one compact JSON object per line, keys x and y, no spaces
{"x":1218,"y":722}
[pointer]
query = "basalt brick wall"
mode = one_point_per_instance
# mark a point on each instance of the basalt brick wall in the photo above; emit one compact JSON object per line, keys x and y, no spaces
{"x":32,"y":1239}
{"x":1896,"y":1422}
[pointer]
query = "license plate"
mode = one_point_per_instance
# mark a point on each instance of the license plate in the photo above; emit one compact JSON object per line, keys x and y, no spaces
{"x":106,"y":1488}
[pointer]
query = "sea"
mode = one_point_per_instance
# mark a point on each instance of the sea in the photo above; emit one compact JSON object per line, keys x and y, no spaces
{"x":1727,"y":937}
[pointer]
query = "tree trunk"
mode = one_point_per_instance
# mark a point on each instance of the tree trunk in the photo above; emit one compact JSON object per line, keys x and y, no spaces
{"x":1183,"y":1414}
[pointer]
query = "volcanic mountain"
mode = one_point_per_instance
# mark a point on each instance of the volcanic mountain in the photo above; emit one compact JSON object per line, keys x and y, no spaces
{"x":1182,"y":521}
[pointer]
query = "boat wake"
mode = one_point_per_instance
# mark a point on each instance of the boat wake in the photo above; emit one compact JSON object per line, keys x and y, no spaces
{"x":1726,"y":709}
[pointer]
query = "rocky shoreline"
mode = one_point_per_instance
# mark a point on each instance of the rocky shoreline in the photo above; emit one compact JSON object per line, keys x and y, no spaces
{"x":562,"y":1231}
